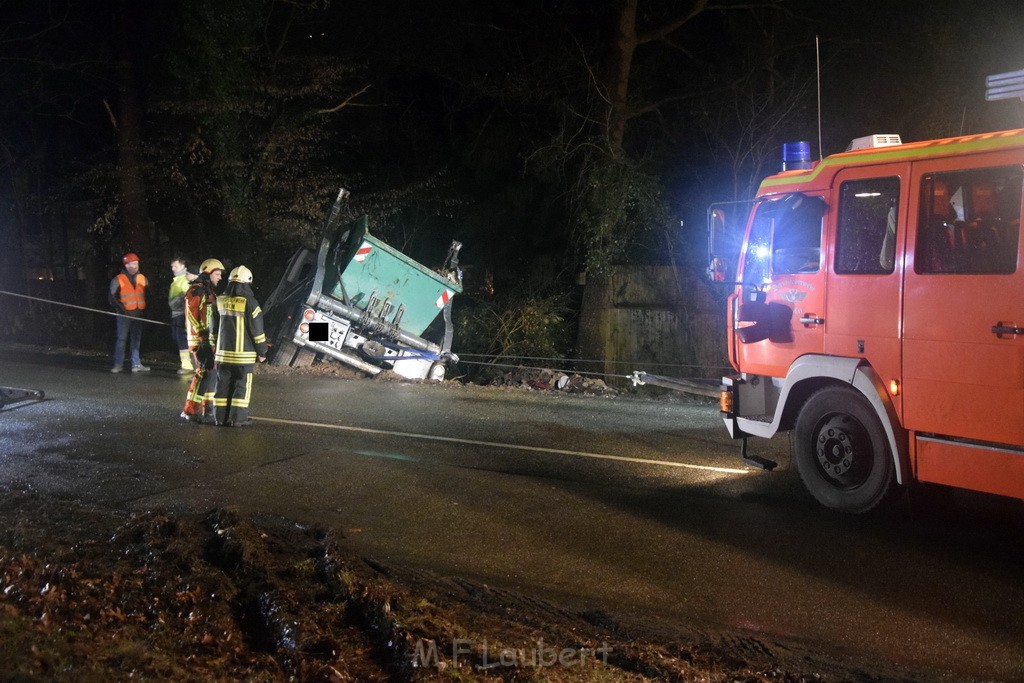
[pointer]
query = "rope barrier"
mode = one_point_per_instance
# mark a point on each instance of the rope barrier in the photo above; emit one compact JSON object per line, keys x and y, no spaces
{"x":528,"y":367}
{"x":84,"y":308}
{"x":598,"y":360}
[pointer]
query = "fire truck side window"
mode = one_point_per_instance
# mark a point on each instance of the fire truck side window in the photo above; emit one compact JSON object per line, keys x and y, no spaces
{"x":970,"y":221}
{"x":866,"y":235}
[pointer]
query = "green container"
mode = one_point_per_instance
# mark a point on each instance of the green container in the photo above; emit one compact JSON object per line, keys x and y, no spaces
{"x":360,"y":266}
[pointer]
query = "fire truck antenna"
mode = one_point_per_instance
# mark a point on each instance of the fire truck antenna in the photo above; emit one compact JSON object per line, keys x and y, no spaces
{"x":817,"y":62}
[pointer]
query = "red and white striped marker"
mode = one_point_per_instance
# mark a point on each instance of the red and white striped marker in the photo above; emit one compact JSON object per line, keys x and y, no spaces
{"x":445,"y":297}
{"x":363,"y":252}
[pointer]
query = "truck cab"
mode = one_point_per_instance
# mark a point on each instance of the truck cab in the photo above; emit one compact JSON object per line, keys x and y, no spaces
{"x":877,"y":312}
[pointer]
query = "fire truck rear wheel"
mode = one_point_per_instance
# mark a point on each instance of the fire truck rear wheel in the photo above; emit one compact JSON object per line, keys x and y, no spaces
{"x":841,"y":452}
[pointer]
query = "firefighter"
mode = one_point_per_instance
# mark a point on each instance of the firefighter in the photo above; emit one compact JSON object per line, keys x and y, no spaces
{"x":127,"y":296}
{"x":240,"y":343}
{"x":176,"y":302}
{"x":200,"y":326}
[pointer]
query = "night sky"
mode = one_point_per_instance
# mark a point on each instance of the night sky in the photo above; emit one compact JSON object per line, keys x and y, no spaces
{"x":482,"y":121}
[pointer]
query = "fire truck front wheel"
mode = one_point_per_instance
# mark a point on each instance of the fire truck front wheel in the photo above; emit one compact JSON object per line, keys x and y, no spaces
{"x":841,"y":452}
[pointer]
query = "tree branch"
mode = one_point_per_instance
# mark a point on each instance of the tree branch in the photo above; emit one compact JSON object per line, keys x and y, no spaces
{"x":344,"y":104}
{"x":699,"y":7}
{"x":666,"y":29}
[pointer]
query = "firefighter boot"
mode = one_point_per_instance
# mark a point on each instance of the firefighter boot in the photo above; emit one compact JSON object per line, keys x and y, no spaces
{"x":186,"y":363}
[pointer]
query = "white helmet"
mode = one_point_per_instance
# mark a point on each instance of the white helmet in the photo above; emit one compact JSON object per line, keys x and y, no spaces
{"x":241,"y":274}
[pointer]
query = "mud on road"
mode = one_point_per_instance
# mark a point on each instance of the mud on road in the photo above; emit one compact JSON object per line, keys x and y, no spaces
{"x":98,"y":594}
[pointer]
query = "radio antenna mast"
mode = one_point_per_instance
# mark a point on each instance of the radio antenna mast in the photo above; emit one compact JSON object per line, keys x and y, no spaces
{"x":817,"y":61}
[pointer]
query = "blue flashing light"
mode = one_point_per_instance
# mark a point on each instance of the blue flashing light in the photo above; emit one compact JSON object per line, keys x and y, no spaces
{"x":796,"y":156}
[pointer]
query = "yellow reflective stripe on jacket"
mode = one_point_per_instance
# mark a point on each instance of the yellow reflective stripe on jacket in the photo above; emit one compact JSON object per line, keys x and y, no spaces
{"x":241,"y":339}
{"x":231,"y":305}
{"x":233,"y":358}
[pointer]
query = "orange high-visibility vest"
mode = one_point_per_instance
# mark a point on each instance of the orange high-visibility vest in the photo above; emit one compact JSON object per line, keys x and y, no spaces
{"x":133,"y":297}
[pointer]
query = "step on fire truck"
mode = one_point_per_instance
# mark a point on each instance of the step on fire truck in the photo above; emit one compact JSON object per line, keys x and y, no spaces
{"x":878,"y":312}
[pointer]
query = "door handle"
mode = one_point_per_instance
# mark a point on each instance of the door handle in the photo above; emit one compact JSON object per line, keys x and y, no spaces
{"x":1000,"y":330}
{"x":811,"y":319}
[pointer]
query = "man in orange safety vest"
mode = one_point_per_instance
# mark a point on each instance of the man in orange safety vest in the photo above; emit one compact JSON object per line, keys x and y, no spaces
{"x":127,"y":296}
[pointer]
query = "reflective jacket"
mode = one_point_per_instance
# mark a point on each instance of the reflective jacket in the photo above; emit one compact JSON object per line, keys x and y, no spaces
{"x":128,"y":293}
{"x":176,"y":294}
{"x":201,"y":313}
{"x":240,"y":337}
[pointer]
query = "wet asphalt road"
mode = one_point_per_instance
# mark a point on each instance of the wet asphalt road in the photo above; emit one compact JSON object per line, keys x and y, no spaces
{"x":551,"y":495}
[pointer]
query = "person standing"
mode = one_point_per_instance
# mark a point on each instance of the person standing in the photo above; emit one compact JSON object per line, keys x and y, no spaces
{"x":240,"y":343}
{"x":200,"y":310}
{"x":176,"y":302}
{"x":127,"y":296}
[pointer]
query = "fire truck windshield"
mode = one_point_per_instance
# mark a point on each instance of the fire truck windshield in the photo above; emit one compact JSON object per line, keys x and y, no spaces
{"x":785,"y":237}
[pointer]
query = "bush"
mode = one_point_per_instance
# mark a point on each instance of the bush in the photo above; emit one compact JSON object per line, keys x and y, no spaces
{"x":512,"y":329}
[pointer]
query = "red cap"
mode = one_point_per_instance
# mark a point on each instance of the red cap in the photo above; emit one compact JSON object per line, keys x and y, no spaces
{"x":129,"y":257}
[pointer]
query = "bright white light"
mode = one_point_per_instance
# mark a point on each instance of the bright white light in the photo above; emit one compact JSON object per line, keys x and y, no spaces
{"x":761,"y":252}
{"x":868,"y":194}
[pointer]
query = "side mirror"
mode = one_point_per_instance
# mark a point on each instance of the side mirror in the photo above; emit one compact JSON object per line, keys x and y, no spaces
{"x":758,"y":319}
{"x":717,"y":265}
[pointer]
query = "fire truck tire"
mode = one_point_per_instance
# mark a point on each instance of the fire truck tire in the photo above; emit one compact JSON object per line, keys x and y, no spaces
{"x":841,"y":452}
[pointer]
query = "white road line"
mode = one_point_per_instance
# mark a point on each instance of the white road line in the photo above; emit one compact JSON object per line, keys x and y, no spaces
{"x":495,"y":444}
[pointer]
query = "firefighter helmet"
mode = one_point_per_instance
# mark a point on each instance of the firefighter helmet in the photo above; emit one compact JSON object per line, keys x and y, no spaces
{"x":210,"y":265}
{"x":241,"y":274}
{"x":129,"y":257}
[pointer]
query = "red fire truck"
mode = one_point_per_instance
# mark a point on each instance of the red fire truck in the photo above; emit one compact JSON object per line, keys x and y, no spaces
{"x":878,"y":313}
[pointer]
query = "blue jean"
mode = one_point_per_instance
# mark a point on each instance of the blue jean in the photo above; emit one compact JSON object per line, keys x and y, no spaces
{"x":128,"y":330}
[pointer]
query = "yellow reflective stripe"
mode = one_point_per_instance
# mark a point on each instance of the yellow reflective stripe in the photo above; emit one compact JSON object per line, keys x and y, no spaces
{"x":259,"y":339}
{"x":220,"y":402}
{"x":244,"y":401}
{"x":910,"y":151}
{"x":257,"y":311}
{"x":230,"y":303}
{"x":231,"y":357}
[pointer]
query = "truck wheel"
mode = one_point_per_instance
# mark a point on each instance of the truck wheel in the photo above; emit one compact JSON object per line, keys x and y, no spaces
{"x":284,"y":353}
{"x":436,"y":372}
{"x":841,"y":452}
{"x":303,"y":358}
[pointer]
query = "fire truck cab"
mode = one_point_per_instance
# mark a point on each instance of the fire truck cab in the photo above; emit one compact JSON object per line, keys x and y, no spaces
{"x":877,"y":312}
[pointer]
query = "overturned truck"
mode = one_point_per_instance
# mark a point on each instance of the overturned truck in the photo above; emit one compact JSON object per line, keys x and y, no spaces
{"x":361,"y":302}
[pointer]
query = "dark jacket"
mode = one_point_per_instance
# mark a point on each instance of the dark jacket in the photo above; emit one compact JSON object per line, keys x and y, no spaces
{"x":240,"y":337}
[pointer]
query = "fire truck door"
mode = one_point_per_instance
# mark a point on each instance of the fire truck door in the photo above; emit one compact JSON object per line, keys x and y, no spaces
{"x":784,"y":258}
{"x":868,"y":225}
{"x":964,"y":307}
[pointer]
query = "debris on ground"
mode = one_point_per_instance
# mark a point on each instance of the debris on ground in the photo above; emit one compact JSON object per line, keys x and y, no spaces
{"x":546,"y":379}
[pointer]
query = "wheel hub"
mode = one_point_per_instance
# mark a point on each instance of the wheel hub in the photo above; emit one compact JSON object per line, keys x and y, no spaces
{"x":835,"y":446}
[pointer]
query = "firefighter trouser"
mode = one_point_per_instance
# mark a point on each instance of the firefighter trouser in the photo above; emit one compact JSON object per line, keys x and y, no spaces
{"x":202,"y":388}
{"x":234,"y":389}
